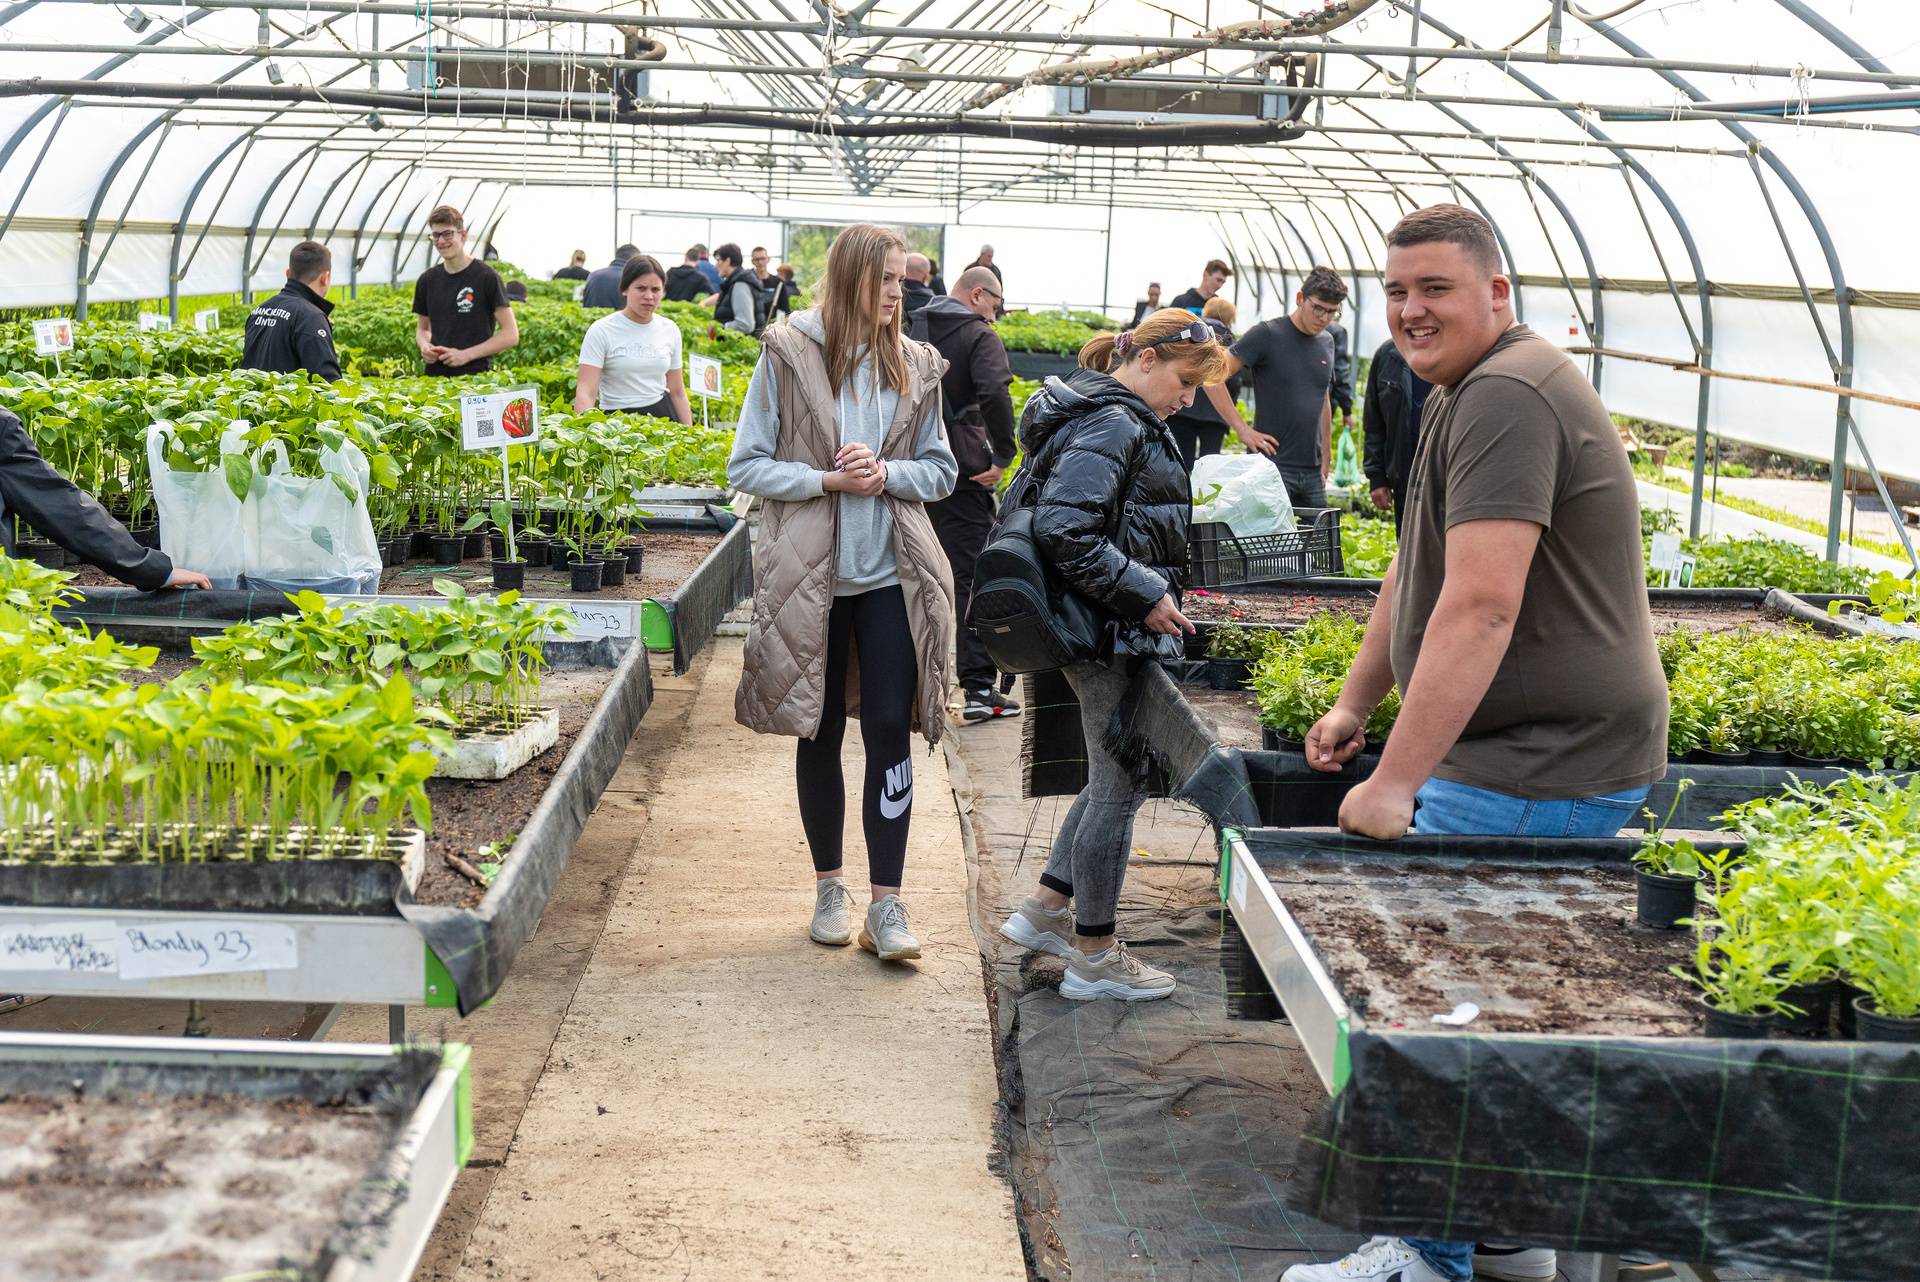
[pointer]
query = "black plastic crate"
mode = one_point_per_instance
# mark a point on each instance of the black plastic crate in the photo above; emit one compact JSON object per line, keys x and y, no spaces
{"x":1219,"y":558}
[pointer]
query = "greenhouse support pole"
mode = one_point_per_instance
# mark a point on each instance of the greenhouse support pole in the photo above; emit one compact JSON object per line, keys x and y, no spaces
{"x":1699,"y":486}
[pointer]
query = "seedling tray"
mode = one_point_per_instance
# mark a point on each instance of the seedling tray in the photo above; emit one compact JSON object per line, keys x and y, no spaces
{"x":493,"y":750}
{"x":1770,"y":1155}
{"x":173,"y":1157}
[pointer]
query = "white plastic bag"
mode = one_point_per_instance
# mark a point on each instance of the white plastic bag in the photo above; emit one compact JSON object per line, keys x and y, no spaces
{"x":312,"y":532}
{"x":202,"y":521}
{"x":1244,"y":491}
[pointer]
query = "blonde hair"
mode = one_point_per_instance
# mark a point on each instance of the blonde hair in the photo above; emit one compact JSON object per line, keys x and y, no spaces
{"x":1199,"y":363}
{"x":849,"y":298}
{"x":1220,"y":309}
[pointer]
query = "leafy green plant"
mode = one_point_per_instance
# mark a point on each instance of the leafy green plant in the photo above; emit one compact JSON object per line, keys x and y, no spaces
{"x":1367,"y":546}
{"x":1231,"y":641}
{"x":1041,"y":332}
{"x":1890,"y":596}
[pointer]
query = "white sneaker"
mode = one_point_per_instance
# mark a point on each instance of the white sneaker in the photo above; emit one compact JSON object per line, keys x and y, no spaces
{"x":1113,"y":973}
{"x":1041,"y":929}
{"x":1383,"y":1259}
{"x":1515,"y":1263}
{"x":831,"y":905}
{"x":886,"y":935}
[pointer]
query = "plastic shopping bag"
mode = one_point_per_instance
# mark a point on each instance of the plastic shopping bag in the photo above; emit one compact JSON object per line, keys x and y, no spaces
{"x":1244,"y":491}
{"x":202,"y":521}
{"x":312,"y":533}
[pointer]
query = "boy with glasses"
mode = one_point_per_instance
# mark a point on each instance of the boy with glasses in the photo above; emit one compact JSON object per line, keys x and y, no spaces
{"x":462,"y":317}
{"x":1291,"y":358}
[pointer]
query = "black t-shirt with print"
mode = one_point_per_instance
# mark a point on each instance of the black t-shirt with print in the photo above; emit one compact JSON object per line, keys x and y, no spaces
{"x":459,"y":308}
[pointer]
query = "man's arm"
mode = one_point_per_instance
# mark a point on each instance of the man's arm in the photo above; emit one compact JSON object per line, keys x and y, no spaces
{"x":1326,"y":437}
{"x":992,"y":379}
{"x":1336,"y":738}
{"x":1373,"y":441}
{"x":423,"y":339}
{"x":742,"y":308}
{"x":1466,"y":638}
{"x":1222,"y":402}
{"x":316,"y":353}
{"x":506,"y":334}
{"x":62,"y":512}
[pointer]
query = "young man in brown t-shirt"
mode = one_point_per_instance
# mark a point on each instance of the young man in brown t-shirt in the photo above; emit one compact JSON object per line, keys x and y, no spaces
{"x":1514,"y":618}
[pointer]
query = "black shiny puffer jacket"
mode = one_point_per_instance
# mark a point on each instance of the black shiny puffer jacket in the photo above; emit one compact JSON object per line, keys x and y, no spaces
{"x":1114,"y":506}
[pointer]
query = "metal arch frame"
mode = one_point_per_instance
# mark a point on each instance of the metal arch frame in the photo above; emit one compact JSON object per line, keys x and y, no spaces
{"x":1703,"y":347}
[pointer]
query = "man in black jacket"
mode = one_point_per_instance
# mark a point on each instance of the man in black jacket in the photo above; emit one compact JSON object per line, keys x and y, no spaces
{"x":290,"y":331}
{"x":1340,"y":390}
{"x":1390,"y":425}
{"x":685,"y":283}
{"x":979,"y":415}
{"x":916,"y":290}
{"x":60,"y":511}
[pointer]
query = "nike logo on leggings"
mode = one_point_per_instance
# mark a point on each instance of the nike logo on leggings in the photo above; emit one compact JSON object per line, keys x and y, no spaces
{"x":898,"y":793}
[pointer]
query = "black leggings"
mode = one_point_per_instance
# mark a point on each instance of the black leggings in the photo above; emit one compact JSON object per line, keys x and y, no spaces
{"x":874,"y":623}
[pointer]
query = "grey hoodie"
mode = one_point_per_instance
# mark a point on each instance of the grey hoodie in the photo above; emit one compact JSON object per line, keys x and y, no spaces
{"x":862,"y":410}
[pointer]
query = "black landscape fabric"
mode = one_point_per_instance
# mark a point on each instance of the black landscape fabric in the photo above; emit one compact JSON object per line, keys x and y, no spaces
{"x":344,"y":887}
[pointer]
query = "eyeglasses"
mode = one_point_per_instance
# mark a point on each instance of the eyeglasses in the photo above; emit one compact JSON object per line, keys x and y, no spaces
{"x":1324,"y":312}
{"x":446,"y":234}
{"x":1198,"y":332}
{"x":990,"y":294}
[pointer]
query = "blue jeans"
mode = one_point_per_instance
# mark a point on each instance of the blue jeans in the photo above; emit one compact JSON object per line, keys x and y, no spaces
{"x":1442,"y":806}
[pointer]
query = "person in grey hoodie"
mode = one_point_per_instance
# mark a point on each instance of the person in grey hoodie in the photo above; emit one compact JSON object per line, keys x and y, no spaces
{"x":841,"y":432}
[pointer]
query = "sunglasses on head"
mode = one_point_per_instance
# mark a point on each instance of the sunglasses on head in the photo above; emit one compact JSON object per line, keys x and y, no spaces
{"x":1198,"y":332}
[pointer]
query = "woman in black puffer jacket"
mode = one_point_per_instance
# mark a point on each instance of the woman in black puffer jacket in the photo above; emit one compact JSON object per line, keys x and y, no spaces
{"x":1111,"y":516}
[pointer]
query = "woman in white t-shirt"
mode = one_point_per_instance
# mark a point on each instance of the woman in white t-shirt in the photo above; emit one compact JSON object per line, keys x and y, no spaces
{"x":630,"y":360}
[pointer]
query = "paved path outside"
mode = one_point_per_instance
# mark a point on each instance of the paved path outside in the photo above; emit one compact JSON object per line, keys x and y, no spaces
{"x":727,"y":1100}
{"x":1719,"y":521}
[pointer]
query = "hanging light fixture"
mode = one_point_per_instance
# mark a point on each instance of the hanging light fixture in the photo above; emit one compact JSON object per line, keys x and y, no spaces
{"x":137,"y":21}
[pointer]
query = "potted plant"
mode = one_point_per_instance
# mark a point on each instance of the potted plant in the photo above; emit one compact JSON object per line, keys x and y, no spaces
{"x":1883,"y":958}
{"x":1231,"y":652}
{"x":1720,"y":745}
{"x":1666,"y":871}
{"x":509,"y":571}
{"x":1740,"y":986}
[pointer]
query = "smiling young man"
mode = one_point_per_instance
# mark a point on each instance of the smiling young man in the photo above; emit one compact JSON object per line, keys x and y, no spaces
{"x":1514,"y":618}
{"x":462,"y":318}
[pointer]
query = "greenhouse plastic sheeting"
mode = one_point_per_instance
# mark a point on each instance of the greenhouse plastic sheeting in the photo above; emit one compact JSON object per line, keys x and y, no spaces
{"x":1771,"y":1155}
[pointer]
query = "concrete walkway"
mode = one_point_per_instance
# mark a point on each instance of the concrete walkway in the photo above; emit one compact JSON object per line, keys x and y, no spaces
{"x":725,"y":1099}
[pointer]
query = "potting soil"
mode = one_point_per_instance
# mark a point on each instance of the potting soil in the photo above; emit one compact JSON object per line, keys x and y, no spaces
{"x":130,"y":1170}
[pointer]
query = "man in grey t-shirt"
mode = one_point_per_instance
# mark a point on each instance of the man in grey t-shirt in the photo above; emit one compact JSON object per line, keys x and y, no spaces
{"x":1291,"y":359}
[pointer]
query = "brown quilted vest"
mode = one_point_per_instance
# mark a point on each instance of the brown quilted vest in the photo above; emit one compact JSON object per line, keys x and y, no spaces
{"x":783,"y":685}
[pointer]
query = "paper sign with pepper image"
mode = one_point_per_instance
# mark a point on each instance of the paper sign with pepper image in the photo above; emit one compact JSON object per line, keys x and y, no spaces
{"x":517,"y":417}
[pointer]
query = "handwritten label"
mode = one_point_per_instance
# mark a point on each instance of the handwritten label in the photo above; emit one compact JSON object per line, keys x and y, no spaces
{"x":52,"y":336}
{"x":155,"y":320}
{"x":78,"y":947}
{"x":495,"y":420}
{"x":1237,"y":884}
{"x":591,"y":622}
{"x":159,"y":950}
{"x":705,"y":374}
{"x":207,"y":319}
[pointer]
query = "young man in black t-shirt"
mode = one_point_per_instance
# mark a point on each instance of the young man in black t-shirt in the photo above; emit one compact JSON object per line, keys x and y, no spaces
{"x":461,"y":312}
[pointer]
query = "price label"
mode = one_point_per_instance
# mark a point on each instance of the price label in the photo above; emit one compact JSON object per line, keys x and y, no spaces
{"x":495,"y":420}
{"x":706,"y":375}
{"x":1237,"y":884}
{"x":1665,"y":552}
{"x":78,"y":947}
{"x":207,"y":319}
{"x":155,"y":320}
{"x":53,"y":336}
{"x":1683,"y":570}
{"x":591,"y":622}
{"x":160,"y":950}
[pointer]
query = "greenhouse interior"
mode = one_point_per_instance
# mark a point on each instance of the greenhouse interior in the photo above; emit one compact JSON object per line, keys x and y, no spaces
{"x":453,"y":455}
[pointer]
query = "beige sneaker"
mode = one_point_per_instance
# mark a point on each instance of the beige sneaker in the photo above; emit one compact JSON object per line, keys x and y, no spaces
{"x":832,"y":906}
{"x":1043,"y":931}
{"x":1113,"y":973}
{"x":885,"y":934}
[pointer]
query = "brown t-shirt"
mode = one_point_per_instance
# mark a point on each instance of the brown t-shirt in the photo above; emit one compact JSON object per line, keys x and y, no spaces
{"x":1578,"y":707}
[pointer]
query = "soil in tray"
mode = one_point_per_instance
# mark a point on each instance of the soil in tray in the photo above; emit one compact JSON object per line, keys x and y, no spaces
{"x":670,"y":559}
{"x":1538,"y":949}
{"x":1235,"y":719}
{"x":1250,"y":605}
{"x":174,"y":1187}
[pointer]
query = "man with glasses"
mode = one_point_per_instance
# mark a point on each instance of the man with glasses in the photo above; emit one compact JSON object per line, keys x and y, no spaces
{"x":1291,"y":358}
{"x":462,"y":317}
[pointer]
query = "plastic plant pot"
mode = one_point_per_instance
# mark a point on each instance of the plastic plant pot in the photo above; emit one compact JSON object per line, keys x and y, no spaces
{"x":509,"y":575}
{"x":636,"y":554}
{"x":559,"y":555}
{"x":146,"y":534}
{"x":1875,"y":1027}
{"x":1708,"y":757}
{"x":534,"y":550}
{"x":419,"y":542}
{"x":497,"y":544}
{"x":448,"y":549}
{"x":42,"y":552}
{"x":1815,"y":1003}
{"x":1727,"y":1023}
{"x":476,"y":543}
{"x":1845,"y":1017}
{"x":1228,"y":674}
{"x":1768,"y":757}
{"x":1661,"y":901}
{"x":613,"y":571}
{"x":1273,"y":741}
{"x":586,"y":575}
{"x":1802,"y":759}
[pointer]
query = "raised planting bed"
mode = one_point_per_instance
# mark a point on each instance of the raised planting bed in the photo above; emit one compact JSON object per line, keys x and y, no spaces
{"x":189,"y":1159}
{"x":1581,"y":1108}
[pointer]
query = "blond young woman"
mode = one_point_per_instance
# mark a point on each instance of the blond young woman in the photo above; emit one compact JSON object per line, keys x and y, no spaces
{"x":841,"y":434}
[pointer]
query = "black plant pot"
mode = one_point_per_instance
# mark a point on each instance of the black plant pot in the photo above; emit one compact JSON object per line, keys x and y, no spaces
{"x":1875,"y":1027}
{"x":586,"y":575}
{"x":509,"y":575}
{"x":1228,"y":674}
{"x":1708,"y":757}
{"x":401,"y":547}
{"x":1195,"y":646}
{"x":534,"y":550}
{"x":613,"y":571}
{"x":559,"y":556}
{"x":41,"y":552}
{"x":636,"y":555}
{"x":1817,"y":763}
{"x":476,"y":543}
{"x":420,"y":542}
{"x":146,"y":534}
{"x":1661,"y":901}
{"x":448,"y":549}
{"x":1845,"y":993}
{"x":1726,"y":1023}
{"x":1768,"y":757}
{"x":1815,"y":1003}
{"x":497,"y":544}
{"x":1274,"y":741}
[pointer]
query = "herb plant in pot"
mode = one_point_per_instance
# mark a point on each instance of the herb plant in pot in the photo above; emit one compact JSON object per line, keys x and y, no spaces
{"x":1740,"y":986}
{"x":1231,"y":652}
{"x":1666,"y":872}
{"x":1721,"y":745}
{"x":509,"y":571}
{"x":1884,"y":960}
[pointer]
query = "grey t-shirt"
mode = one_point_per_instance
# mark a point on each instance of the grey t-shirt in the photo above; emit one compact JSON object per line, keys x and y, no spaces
{"x":1291,"y":373}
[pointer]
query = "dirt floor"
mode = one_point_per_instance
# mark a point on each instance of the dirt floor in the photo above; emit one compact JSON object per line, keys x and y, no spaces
{"x":1252,"y":605}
